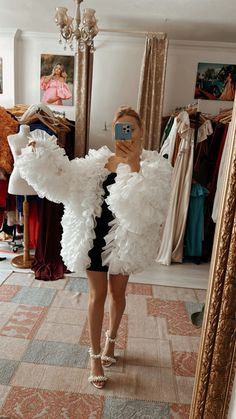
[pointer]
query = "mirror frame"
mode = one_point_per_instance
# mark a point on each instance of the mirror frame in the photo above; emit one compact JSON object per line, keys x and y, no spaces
{"x":216,"y":359}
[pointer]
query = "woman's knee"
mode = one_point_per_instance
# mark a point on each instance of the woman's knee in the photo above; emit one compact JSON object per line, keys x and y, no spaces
{"x":117,"y":297}
{"x":97,"y":298}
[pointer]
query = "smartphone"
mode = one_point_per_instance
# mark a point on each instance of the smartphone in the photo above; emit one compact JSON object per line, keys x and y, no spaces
{"x":123,"y":131}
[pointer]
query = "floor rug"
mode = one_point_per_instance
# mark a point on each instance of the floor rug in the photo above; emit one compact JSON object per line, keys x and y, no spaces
{"x":44,"y":362}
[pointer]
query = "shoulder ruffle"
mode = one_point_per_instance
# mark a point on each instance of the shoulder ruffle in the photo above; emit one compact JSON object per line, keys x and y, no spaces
{"x":139,"y":202}
{"x":46,"y":168}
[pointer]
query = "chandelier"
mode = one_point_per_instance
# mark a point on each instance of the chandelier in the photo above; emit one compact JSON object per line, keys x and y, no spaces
{"x":74,"y":29}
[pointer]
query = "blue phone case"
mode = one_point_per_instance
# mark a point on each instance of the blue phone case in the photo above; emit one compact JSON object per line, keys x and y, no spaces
{"x":123,"y":131}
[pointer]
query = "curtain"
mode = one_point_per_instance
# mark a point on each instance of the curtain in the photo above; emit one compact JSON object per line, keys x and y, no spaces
{"x":151,"y":89}
{"x":83,"y":89}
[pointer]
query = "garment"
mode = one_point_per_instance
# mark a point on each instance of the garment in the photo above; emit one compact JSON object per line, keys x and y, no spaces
{"x":228,"y":92}
{"x":138,"y":201}
{"x":221,"y":175}
{"x":195,"y":221}
{"x":54,"y":89}
{"x":101,"y":230}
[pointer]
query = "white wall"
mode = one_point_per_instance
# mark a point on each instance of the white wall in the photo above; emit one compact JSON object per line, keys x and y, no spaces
{"x":117,"y":63}
{"x":8,"y":40}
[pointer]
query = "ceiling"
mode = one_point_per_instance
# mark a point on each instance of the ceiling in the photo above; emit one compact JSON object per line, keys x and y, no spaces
{"x":196,"y":20}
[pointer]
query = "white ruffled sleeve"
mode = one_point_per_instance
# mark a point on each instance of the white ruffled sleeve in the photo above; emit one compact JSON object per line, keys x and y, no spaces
{"x":46,"y":167}
{"x":141,"y":199}
{"x":139,"y":202}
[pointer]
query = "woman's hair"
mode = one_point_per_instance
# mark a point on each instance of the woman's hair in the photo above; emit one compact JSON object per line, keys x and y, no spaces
{"x":127,"y":110}
{"x":59,"y":65}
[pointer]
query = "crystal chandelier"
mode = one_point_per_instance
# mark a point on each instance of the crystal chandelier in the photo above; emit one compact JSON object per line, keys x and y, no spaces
{"x":72,"y":29}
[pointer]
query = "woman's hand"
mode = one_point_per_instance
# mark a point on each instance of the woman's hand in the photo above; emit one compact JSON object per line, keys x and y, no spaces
{"x":130,"y":152}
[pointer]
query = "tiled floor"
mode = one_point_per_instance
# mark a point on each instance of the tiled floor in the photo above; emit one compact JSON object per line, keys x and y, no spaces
{"x":44,"y":362}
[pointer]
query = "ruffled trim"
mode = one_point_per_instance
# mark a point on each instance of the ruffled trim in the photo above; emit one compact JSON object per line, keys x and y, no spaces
{"x":139,"y":202}
{"x":46,"y":168}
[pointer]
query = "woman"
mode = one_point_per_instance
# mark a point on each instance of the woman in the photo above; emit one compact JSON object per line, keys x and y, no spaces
{"x":55,"y":86}
{"x":115,"y":207}
{"x":228,"y":92}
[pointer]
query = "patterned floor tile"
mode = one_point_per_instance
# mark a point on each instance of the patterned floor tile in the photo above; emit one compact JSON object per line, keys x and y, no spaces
{"x":174,"y":293}
{"x":34,"y":296}
{"x":184,"y":388}
{"x":66,"y":316}
{"x":184,"y":363}
{"x":148,"y":352}
{"x":7,"y":370}
{"x":8,"y":292}
{"x":59,"y":284}
{"x":176,"y":315}
{"x":201,"y":295}
{"x":134,"y":409}
{"x":56,"y":353}
{"x":67,"y":333}
{"x":139,"y":289}
{"x":142,"y":383}
{"x":24,"y":323}
{"x":185,"y":343}
{"x":48,"y":377}
{"x":30,"y":403}
{"x":77,"y":284}
{"x":17,"y":278}
{"x":179,"y":411}
{"x":4,"y":390}
{"x":6,"y":311}
{"x":12,"y":348}
{"x":68,"y":299}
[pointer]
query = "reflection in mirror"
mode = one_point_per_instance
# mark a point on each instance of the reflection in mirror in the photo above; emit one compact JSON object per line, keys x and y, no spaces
{"x":194,"y":143}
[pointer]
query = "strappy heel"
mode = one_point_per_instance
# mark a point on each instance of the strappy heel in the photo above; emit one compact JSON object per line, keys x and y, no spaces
{"x":97,"y":381}
{"x":107,"y":361}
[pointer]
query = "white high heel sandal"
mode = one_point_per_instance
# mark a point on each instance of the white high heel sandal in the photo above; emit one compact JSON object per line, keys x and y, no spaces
{"x":97,"y":381}
{"x":108,"y":360}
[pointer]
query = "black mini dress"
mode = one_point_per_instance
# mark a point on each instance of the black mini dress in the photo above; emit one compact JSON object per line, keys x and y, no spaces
{"x":101,"y":230}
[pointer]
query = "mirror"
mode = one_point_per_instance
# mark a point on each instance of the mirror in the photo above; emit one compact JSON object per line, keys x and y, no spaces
{"x":208,"y":395}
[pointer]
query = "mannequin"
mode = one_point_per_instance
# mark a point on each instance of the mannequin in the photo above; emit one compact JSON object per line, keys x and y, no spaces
{"x":19,"y":186}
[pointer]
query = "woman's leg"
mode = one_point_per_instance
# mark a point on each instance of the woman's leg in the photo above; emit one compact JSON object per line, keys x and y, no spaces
{"x":97,"y":295}
{"x":117,"y":287}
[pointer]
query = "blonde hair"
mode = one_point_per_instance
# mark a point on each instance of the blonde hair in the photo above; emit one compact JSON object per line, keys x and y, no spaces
{"x":127,"y":111}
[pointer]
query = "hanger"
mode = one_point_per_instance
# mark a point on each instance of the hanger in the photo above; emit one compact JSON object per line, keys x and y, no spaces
{"x":38,"y":116}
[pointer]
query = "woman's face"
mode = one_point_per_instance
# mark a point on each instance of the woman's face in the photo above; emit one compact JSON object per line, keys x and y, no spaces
{"x":136,"y":131}
{"x":57,"y":70}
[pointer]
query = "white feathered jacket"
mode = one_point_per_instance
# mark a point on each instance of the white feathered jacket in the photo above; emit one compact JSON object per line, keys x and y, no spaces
{"x":138,"y":202}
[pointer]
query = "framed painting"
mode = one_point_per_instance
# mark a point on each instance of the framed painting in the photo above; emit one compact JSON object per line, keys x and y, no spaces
{"x":215,"y":81}
{"x":57,"y":79}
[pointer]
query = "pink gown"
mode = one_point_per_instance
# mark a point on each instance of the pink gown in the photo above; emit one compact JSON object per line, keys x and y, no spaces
{"x":54,"y":89}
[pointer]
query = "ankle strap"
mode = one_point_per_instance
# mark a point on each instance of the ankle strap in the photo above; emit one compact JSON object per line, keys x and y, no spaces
{"x":108,"y":337}
{"x":92,"y":355}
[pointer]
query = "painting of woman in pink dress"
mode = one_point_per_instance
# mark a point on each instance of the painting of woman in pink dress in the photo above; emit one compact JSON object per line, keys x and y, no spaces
{"x":55,"y":83}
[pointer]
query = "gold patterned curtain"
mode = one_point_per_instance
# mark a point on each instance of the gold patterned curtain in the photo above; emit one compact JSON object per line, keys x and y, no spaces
{"x":83,"y":90}
{"x":151,"y":89}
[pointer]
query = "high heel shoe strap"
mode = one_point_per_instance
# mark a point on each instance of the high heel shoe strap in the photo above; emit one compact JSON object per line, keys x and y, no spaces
{"x":109,"y":338}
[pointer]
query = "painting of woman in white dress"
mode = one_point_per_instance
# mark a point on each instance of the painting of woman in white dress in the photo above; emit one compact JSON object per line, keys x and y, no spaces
{"x":56,"y":79}
{"x":215,"y":81}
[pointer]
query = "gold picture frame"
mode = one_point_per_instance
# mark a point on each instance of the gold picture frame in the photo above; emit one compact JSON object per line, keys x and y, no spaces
{"x":216,"y":359}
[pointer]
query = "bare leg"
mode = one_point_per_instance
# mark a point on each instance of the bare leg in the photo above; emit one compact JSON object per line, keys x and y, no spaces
{"x":117,"y":287}
{"x":97,"y":296}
